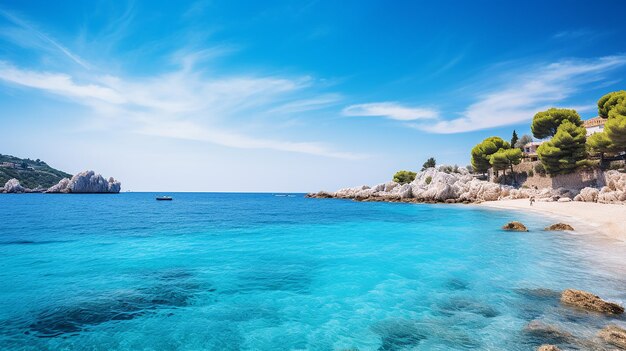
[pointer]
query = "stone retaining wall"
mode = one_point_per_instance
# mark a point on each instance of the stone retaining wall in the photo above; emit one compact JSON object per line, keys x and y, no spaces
{"x":577,"y":180}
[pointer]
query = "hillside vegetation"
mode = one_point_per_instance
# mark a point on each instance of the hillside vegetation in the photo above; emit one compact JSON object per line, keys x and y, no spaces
{"x":30,"y":173}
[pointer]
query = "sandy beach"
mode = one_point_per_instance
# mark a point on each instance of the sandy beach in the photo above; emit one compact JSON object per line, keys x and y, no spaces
{"x":609,"y":219}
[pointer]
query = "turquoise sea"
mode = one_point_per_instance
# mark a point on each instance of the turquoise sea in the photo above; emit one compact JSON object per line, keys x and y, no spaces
{"x":212,"y":271}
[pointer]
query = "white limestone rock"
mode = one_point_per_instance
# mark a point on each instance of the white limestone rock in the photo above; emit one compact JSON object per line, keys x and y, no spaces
{"x":86,"y":182}
{"x":61,"y":187}
{"x":12,"y":186}
{"x":436,"y":185}
{"x":615,"y":181}
{"x":587,"y":195}
{"x":389,"y":186}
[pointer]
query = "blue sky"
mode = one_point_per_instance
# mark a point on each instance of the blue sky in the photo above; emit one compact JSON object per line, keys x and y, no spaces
{"x":290,"y":95}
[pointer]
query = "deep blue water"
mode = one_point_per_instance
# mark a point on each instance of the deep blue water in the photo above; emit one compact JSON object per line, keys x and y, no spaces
{"x":214,"y":271}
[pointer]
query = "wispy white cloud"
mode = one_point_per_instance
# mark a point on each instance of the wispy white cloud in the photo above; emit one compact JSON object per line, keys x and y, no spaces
{"x":38,"y":38}
{"x":317,"y":103}
{"x":60,"y":84}
{"x":525,"y":94}
{"x":192,"y":131}
{"x":184,"y":104}
{"x":390,"y":110}
{"x":573,"y":34}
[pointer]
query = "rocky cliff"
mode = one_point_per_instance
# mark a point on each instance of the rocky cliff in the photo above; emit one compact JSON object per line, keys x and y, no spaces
{"x":86,"y":182}
{"x":434,"y":185}
{"x":83,"y":182}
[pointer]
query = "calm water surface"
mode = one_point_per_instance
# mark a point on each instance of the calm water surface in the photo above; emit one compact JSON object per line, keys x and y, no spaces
{"x":260,"y":272}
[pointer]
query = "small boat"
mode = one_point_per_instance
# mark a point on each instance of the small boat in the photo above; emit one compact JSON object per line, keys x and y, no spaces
{"x":164,"y":198}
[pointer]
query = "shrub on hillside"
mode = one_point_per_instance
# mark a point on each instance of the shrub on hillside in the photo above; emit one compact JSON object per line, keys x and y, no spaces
{"x":540,"y":169}
{"x":404,"y":177}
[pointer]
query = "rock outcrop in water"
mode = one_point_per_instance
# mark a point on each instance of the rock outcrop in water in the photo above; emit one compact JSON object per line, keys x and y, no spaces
{"x":559,"y":226}
{"x":614,"y":335}
{"x":86,"y":182}
{"x":588,"y":301}
{"x":13,"y":187}
{"x":515,"y":227}
{"x":435,"y":185}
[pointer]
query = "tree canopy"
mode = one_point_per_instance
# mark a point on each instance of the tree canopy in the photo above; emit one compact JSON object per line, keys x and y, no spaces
{"x":615,"y":129}
{"x":600,"y":143}
{"x":481,"y":153}
{"x":514,"y":138}
{"x":506,"y":158}
{"x":404,"y":177}
{"x":430,"y":163}
{"x":565,"y":151}
{"x":613,"y":107}
{"x":546,"y":123}
{"x":607,"y":102}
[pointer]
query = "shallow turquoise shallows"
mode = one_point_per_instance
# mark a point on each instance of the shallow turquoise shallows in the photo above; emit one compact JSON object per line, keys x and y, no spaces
{"x":262,"y":272}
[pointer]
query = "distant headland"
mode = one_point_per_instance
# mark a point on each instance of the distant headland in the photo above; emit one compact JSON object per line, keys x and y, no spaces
{"x":21,"y":176}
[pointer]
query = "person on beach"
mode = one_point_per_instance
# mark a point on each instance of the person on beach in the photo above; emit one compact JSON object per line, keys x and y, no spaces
{"x":532,"y":199}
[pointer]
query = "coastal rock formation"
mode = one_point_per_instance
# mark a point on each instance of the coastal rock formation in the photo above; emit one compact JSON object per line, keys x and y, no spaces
{"x":86,"y":182}
{"x":438,"y":185}
{"x":60,"y":187}
{"x":559,"y":226}
{"x":587,"y":195}
{"x":613,"y":192}
{"x":614,"y":335}
{"x":13,"y":187}
{"x":515,"y":226}
{"x":548,"y":348}
{"x":431,"y":185}
{"x":589,"y":301}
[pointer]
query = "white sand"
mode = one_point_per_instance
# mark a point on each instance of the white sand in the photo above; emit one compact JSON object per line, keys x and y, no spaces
{"x":607,"y":219}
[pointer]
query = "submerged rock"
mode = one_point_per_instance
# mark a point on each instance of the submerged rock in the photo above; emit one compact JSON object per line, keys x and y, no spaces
{"x":614,"y":335}
{"x":515,"y":226}
{"x":589,"y":301}
{"x":548,"y":348}
{"x":538,"y":293}
{"x":12,"y":186}
{"x":86,"y":182}
{"x":465,"y":305}
{"x":398,"y":334}
{"x":166,"y":290}
{"x":548,"y":332}
{"x":559,"y":226}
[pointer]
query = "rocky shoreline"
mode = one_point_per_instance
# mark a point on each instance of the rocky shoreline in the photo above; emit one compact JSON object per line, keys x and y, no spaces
{"x":86,"y":182}
{"x":436,"y":186}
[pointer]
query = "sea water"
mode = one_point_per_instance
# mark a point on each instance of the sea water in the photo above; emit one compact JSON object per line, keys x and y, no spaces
{"x":210,"y":271}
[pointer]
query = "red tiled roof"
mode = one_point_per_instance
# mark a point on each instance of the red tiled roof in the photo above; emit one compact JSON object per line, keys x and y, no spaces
{"x":593,"y":122}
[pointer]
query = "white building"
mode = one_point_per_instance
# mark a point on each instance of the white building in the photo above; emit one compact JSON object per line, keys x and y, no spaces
{"x":594,"y":125}
{"x":530,"y":150}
